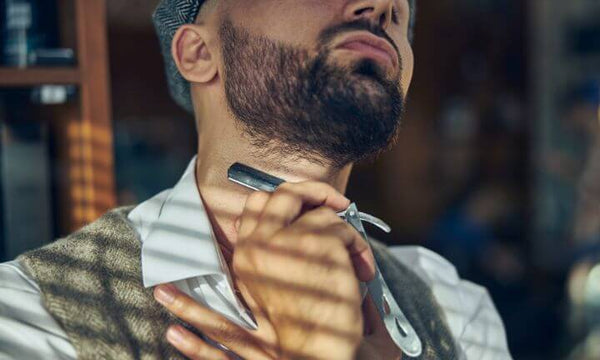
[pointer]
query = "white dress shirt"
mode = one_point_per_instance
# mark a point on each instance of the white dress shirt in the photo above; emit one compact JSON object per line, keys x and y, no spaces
{"x":178,"y":245}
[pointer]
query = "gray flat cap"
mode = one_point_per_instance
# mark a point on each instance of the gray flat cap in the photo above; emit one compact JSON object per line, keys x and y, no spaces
{"x":168,"y":16}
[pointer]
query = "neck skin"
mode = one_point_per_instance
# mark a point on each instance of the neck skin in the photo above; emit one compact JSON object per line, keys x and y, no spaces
{"x":222,"y":143}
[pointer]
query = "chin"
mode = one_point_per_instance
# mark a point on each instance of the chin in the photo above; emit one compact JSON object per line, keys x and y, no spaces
{"x":370,"y":83}
{"x":372,"y":69}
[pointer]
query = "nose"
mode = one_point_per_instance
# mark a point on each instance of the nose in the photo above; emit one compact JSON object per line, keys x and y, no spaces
{"x":378,"y":12}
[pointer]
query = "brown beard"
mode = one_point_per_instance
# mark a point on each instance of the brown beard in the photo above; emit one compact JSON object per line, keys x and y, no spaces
{"x":301,"y":107}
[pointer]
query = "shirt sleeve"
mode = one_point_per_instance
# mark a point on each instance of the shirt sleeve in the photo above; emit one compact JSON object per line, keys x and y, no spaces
{"x":27,"y":330}
{"x":470,"y":312}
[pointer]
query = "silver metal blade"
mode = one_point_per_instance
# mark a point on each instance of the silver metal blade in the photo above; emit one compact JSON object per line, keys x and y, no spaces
{"x":375,"y":221}
{"x":396,"y":323}
{"x":252,"y":178}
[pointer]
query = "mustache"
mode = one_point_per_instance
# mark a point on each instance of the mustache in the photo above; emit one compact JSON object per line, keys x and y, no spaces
{"x":330,"y":33}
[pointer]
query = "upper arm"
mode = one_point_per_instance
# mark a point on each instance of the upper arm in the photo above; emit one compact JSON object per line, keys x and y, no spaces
{"x":470,"y":313}
{"x":27,"y":330}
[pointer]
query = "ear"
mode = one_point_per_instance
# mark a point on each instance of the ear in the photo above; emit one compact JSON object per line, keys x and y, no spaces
{"x":192,"y":55}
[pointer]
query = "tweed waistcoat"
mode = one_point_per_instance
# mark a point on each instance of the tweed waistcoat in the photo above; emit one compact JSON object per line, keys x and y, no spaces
{"x":91,"y":283}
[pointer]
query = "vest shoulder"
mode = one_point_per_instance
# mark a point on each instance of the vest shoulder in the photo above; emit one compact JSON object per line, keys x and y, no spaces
{"x":111,"y":226}
{"x":91,"y":284}
{"x":416,"y":299}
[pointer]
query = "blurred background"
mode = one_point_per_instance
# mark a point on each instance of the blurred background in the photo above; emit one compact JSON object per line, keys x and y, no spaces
{"x":497,"y":167}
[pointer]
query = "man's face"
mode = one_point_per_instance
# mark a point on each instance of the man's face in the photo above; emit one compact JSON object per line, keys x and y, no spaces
{"x":317,"y":79}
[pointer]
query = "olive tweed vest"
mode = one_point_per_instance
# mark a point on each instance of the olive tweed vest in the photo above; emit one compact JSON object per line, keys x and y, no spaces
{"x":91,"y":283}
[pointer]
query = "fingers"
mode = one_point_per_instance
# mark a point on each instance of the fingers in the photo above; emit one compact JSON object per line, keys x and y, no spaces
{"x":192,"y":346}
{"x":252,"y":210}
{"x":359,"y":250}
{"x":330,"y":226}
{"x":315,"y":193}
{"x":266,"y":213}
{"x":214,"y":325}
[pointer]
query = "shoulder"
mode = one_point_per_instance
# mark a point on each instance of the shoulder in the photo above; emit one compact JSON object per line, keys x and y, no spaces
{"x":33,"y":334}
{"x":470,"y":312}
{"x":112,"y":228}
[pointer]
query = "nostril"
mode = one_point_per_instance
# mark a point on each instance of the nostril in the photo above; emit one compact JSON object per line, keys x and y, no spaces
{"x":362,"y":11}
{"x":382,"y":20}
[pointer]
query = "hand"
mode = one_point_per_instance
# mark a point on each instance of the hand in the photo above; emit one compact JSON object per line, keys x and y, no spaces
{"x":301,"y":265}
{"x":297,"y":265}
{"x":376,"y":345}
{"x":256,"y":345}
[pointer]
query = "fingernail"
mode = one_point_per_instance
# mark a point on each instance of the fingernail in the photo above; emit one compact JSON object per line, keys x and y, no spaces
{"x":164,"y":294}
{"x":175,"y":335}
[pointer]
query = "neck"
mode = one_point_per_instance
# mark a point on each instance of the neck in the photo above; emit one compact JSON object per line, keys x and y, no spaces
{"x":221,"y":143}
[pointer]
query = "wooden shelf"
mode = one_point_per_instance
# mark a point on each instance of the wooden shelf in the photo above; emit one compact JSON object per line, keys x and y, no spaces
{"x":86,"y":188}
{"x":14,"y":77}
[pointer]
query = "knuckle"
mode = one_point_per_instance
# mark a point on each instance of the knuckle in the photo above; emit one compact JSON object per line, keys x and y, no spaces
{"x":314,"y":248}
{"x":247,"y":260}
{"x":286,"y":186}
{"x":337,"y":241}
{"x":310,"y":241}
{"x":200,"y":351}
{"x":233,"y":337}
{"x":321,"y":194}
{"x":327,"y":213}
{"x":286,"y":193}
{"x":348,"y":229}
{"x":242,"y":259}
{"x":203,"y":351}
{"x":288,"y":190}
{"x":309,"y":237}
{"x":226,"y":335}
{"x":178,"y":304}
{"x":257,"y":197}
{"x":219,"y":331}
{"x":319,"y":189}
{"x":341,"y":231}
{"x":317,"y":242}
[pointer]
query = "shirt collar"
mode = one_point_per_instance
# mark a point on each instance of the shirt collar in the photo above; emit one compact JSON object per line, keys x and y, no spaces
{"x":177,"y":238}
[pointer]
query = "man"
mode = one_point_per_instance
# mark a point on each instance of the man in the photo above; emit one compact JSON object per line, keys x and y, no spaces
{"x":299,"y":89}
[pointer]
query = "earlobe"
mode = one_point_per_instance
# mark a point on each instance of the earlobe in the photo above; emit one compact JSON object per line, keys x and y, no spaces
{"x":192,"y":54}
